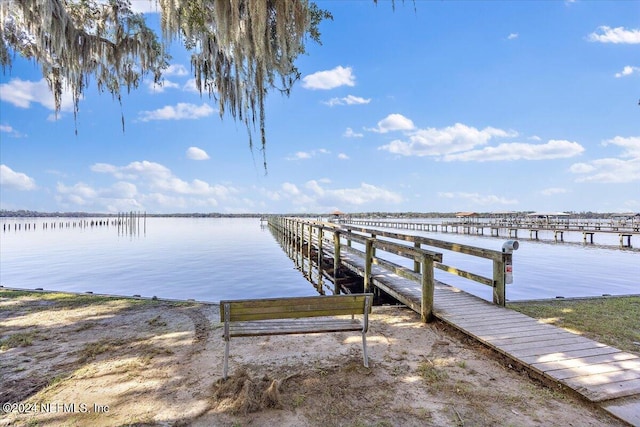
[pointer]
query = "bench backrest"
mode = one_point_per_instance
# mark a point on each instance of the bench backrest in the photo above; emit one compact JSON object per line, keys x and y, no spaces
{"x":296,"y":307}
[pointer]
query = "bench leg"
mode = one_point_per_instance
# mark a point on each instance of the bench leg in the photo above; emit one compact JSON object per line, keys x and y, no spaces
{"x":364,"y":350}
{"x":226,"y":360}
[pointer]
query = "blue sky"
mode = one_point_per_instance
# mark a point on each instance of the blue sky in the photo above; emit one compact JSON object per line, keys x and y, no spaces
{"x":439,"y":106}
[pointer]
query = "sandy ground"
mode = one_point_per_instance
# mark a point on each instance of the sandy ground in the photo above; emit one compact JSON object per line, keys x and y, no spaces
{"x":131,"y":362}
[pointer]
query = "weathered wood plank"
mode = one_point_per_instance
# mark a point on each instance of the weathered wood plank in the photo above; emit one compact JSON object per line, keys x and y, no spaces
{"x":495,"y":337}
{"x":546,"y":345}
{"x":611,"y":369}
{"x":470,"y":325}
{"x":570,"y":354}
{"x":559,"y":348}
{"x":628,"y":409}
{"x":568,"y":362}
{"x":543,"y":339}
{"x":597,"y":392}
{"x":296,"y":307}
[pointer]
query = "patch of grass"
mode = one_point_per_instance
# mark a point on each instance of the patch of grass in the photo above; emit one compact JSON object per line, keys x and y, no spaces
{"x":86,"y":326}
{"x":298,"y":400}
{"x":429,"y":372}
{"x":613,"y":321}
{"x":63,"y":300}
{"x":21,"y":339}
{"x":94,"y":349}
{"x":156,"y":322}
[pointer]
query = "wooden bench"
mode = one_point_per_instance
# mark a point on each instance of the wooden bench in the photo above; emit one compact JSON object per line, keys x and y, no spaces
{"x":279,"y":316}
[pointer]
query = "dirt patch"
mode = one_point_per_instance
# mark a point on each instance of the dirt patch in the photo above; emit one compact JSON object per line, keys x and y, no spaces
{"x":123,"y":362}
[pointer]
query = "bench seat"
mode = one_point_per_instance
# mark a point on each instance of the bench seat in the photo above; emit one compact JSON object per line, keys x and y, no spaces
{"x":293,"y":326}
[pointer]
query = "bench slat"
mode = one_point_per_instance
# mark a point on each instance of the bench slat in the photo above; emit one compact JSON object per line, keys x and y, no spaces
{"x":245,"y":329}
{"x":282,"y":308}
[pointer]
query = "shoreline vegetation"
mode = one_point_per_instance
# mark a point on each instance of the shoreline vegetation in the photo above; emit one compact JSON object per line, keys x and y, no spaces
{"x":106,"y":360}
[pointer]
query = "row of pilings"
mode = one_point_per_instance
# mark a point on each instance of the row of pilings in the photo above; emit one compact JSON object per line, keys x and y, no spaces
{"x":125,"y":222}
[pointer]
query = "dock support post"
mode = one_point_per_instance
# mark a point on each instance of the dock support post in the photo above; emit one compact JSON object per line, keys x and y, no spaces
{"x":336,"y":261}
{"x":320,"y":255}
{"x":368,"y":261}
{"x":622,"y":236}
{"x":309,"y":251}
{"x":584,"y":236}
{"x":426,"y":304}
{"x":416,"y":261}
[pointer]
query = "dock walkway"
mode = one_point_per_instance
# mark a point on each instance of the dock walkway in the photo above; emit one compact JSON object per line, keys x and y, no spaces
{"x":600,"y":373}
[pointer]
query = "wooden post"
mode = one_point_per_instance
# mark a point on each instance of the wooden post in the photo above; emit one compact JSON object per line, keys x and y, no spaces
{"x":416,"y":261}
{"x":336,"y":261}
{"x":368,"y":260}
{"x":309,"y":251}
{"x":427,"y":289}
{"x":320,"y":255}
{"x":499,"y":279}
{"x":373,"y":254}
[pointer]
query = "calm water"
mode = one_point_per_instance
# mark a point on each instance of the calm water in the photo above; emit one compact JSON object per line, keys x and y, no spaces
{"x":211,"y":259}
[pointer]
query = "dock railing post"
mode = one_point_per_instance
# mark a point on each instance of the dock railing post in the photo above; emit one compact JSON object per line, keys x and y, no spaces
{"x":503,"y":272}
{"x":416,"y":261}
{"x":499,"y":288}
{"x":426,"y":306}
{"x":368,"y":261}
{"x":310,"y":241}
{"x":336,"y":261}
{"x":320,"y":255}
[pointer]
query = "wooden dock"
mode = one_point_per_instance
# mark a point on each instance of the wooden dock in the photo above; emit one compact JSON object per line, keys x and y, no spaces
{"x":600,"y":373}
{"x":510,"y":228}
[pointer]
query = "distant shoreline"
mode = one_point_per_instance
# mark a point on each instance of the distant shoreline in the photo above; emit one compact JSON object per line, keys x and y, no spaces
{"x":36,"y":214}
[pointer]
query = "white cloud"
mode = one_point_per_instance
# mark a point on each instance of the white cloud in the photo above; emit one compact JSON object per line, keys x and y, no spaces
{"x":159,"y":178}
{"x":11,"y":179}
{"x":624,"y":169}
{"x":300,"y":155}
{"x":553,"y":190}
{"x":627,"y":71}
{"x":11,"y":131}
{"x":162,"y":86}
{"x":78,"y":194}
{"x":290,"y":189}
{"x":195,"y":153}
{"x":606,"y":34}
{"x":190,"y":86}
{"x":478,"y":199}
{"x":512,"y":36}
{"x":358,"y":196}
{"x":609,"y":170}
{"x":181,"y":111}
{"x":554,"y":149}
{"x":176,"y":70}
{"x":145,"y":6}
{"x":303,"y":155}
{"x":348,"y":100}
{"x":581,"y":168}
{"x":22,"y":93}
{"x":349,"y":133}
{"x":393,"y":122}
{"x":437,"y":142}
{"x":630,"y":144}
{"x":329,"y":79}
{"x":343,"y":156}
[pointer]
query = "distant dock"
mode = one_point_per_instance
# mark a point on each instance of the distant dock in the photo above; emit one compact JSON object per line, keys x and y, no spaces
{"x":509,"y":227}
